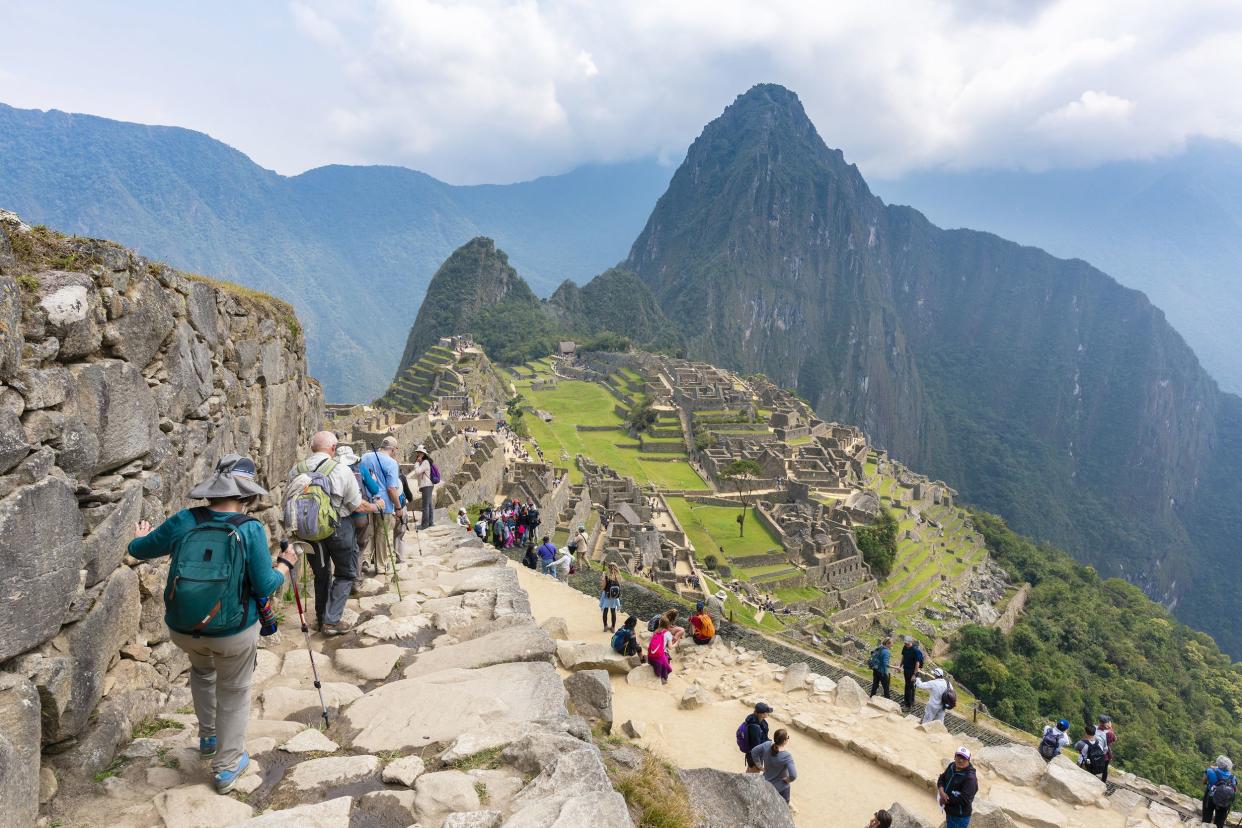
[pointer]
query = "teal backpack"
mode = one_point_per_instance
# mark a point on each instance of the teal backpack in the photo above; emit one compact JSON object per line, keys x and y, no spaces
{"x":207,"y":590}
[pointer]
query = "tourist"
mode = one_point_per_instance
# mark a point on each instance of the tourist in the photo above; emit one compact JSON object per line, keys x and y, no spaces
{"x":936,"y":688}
{"x":678,"y":632}
{"x":581,"y":547}
{"x":880,"y":819}
{"x":716,"y":607}
{"x":383,"y":465}
{"x":369,"y":487}
{"x":562,"y":566}
{"x":332,"y":559}
{"x":776,"y":762}
{"x":701,"y":626}
{"x":911,"y":663}
{"x":752,"y":733}
{"x":1220,"y":787}
{"x":1053,"y":739}
{"x":658,"y":650}
{"x":610,"y":596}
{"x":1093,"y":752}
{"x":547,"y":553}
{"x":463,"y":520}
{"x":880,"y":657}
{"x":221,"y":657}
{"x":956,"y":789}
{"x":425,"y":484}
{"x":625,"y":640}
{"x":1104,"y":731}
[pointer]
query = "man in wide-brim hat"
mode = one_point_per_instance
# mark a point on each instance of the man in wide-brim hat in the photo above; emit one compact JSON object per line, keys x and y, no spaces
{"x":221,"y":660}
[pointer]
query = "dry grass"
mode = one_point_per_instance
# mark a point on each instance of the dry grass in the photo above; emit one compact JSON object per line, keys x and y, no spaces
{"x":656,"y":795}
{"x":278,"y":308}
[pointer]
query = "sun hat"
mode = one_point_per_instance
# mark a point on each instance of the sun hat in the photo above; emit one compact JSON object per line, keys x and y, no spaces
{"x":963,"y":752}
{"x":345,"y":454}
{"x":233,"y":477}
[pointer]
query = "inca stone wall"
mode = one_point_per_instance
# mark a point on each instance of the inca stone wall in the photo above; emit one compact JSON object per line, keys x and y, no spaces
{"x":121,"y":383}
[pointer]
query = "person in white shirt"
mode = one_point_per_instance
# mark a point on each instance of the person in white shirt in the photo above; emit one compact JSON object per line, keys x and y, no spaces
{"x":934,"y":709}
{"x":580,"y":543}
{"x":562,"y":563}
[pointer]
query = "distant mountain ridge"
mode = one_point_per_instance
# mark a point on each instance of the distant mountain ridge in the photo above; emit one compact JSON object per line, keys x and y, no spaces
{"x":1045,"y":390}
{"x":352,"y":248}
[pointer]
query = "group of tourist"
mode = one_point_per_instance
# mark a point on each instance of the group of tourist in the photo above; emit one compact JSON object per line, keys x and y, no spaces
{"x":509,"y":525}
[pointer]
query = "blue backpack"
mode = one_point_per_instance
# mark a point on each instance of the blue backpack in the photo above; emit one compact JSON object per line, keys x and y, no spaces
{"x":207,"y":590}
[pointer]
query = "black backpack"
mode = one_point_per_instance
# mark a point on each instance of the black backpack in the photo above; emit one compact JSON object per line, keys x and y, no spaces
{"x":1096,"y":760}
{"x":1050,"y":745}
{"x":1223,"y":792}
{"x":949,"y":699}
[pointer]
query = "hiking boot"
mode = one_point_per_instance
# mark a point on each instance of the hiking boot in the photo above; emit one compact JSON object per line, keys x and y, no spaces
{"x":226,"y":780}
{"x":339,"y":628}
{"x":206,"y":746}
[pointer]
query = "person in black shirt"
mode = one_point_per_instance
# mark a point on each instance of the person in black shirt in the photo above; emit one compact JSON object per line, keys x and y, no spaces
{"x":911,"y":662}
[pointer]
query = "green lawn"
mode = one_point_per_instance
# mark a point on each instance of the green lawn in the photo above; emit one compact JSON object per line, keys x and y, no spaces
{"x":711,"y":527}
{"x":573,"y":403}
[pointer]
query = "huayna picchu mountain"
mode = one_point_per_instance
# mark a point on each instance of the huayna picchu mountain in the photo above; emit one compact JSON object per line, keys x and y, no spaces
{"x":1041,"y":387}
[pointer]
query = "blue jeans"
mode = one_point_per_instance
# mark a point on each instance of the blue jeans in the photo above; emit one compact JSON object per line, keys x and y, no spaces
{"x":957,"y":822}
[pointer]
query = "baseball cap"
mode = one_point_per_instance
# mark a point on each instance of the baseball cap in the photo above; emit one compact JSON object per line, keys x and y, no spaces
{"x":763,"y":707}
{"x":938,"y":673}
{"x":963,"y":752}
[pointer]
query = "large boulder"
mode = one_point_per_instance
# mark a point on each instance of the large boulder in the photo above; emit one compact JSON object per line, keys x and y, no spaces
{"x":1019,"y":764}
{"x":1067,"y":782}
{"x":105,"y":545}
{"x":581,"y":655}
{"x":332,"y":813}
{"x":70,"y":304}
{"x":902,"y":818}
{"x":139,"y":333}
{"x":19,"y":750}
{"x":13,"y":445}
{"x":412,"y":713}
{"x":597,"y":809}
{"x":10,"y":326}
{"x":40,"y":556}
{"x":331,"y":772}
{"x":1026,"y":809}
{"x":511,"y":644}
{"x":796,"y":675}
{"x":590,"y":696}
{"x":199,"y":806}
{"x":724,"y":800}
{"x":370,"y":663}
{"x":849,"y":695}
{"x":113,"y":401}
{"x":445,"y":792}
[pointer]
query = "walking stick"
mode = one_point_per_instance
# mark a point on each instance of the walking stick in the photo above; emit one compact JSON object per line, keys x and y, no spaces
{"x":297,"y":597}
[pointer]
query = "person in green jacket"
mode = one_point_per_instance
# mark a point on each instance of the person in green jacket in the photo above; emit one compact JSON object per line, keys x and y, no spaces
{"x":221,"y":660}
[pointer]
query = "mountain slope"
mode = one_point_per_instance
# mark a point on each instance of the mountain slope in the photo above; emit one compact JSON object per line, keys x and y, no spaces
{"x":1050,"y":393}
{"x":616,"y":301}
{"x":1171,"y":227}
{"x":352,"y":248}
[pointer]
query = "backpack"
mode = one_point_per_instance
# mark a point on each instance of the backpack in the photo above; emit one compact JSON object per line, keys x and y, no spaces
{"x":655,"y":648}
{"x":207,"y":590}
{"x":614,"y":591}
{"x":435,"y":474}
{"x":875,"y":662}
{"x":743,"y":738}
{"x":1096,"y":761}
{"x":309,"y":513}
{"x":949,"y":698}
{"x":1225,"y":789}
{"x":1050,"y":745}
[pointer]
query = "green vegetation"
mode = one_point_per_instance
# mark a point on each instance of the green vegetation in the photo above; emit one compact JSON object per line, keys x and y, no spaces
{"x":150,"y":726}
{"x":113,"y":769}
{"x":741,"y":473}
{"x":878,"y":543}
{"x":642,"y":416}
{"x":656,"y":795}
{"x":1085,"y":646}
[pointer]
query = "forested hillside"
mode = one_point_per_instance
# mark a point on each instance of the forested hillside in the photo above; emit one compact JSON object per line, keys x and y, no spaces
{"x":352,"y":248}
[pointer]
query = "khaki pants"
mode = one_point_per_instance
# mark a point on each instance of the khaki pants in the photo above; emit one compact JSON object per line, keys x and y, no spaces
{"x":380,"y":552}
{"x":221,"y":669}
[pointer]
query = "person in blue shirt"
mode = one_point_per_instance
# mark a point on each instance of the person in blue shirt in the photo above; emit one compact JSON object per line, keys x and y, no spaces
{"x":1219,"y":788}
{"x":382,"y":463}
{"x":879,"y":667}
{"x":222,"y":664}
{"x":547,"y":552}
{"x":370,"y":489}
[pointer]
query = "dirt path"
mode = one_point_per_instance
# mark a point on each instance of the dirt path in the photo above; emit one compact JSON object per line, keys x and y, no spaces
{"x":830,"y":781}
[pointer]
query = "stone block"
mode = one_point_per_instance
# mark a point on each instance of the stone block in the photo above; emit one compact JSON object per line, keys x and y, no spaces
{"x":104,"y":548}
{"x":445,"y":792}
{"x":590,"y":696}
{"x":113,"y":401}
{"x":19,"y":750}
{"x":10,"y":324}
{"x":1064,"y":780}
{"x":1018,"y":764}
{"x":333,"y":771}
{"x":13,"y":445}
{"x":69,"y":302}
{"x":724,"y":800}
{"x":849,"y":695}
{"x":512,"y":644}
{"x":199,"y":806}
{"x":404,"y":771}
{"x":579,"y":655}
{"x":139,"y":333}
{"x":370,"y":663}
{"x":332,"y":813}
{"x":40,"y":556}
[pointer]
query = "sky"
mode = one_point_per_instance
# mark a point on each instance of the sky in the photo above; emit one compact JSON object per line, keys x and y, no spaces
{"x":479,"y":91}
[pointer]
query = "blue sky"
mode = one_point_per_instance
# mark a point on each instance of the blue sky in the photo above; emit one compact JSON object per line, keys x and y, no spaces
{"x":498,"y":91}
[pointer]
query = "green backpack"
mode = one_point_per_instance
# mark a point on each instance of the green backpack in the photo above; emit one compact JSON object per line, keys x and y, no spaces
{"x":309,"y":513}
{"x":207,"y":590}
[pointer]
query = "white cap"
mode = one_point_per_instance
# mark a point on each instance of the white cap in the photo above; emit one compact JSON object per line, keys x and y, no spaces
{"x":938,"y":673}
{"x":963,"y":752}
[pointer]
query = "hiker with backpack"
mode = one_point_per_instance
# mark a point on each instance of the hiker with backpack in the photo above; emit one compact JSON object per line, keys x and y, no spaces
{"x":370,"y":489}
{"x":701,"y":626}
{"x":670,"y":617}
{"x":658,"y":650}
{"x":580,"y":546}
{"x":956,"y":789}
{"x":220,"y":570}
{"x":319,"y":498}
{"x":610,"y":596}
{"x":911,"y":663}
{"x":1053,"y":740}
{"x":625,"y":640}
{"x":938,"y":690}
{"x":1107,"y":735}
{"x":878,"y":663}
{"x":752,"y":732}
{"x":1093,"y":752}
{"x":426,"y":476}
{"x":1220,"y":788}
{"x":776,"y":762}
{"x":382,"y":463}
{"x":547,"y":554}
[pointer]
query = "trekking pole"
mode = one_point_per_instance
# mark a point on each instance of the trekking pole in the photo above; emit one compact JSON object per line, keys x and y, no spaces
{"x":297,"y":597}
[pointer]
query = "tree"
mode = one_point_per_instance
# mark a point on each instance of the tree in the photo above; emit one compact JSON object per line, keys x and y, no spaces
{"x":642,"y":416}
{"x":742,"y":474}
{"x":878,"y":543}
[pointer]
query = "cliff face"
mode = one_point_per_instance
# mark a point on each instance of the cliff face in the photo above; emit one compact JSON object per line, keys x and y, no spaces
{"x":1040,"y":386}
{"x":121,"y":383}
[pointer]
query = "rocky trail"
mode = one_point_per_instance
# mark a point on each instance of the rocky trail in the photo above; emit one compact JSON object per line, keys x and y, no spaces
{"x":446,"y":712}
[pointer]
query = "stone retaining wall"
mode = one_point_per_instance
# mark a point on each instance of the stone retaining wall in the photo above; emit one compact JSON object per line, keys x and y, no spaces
{"x":122,"y":381}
